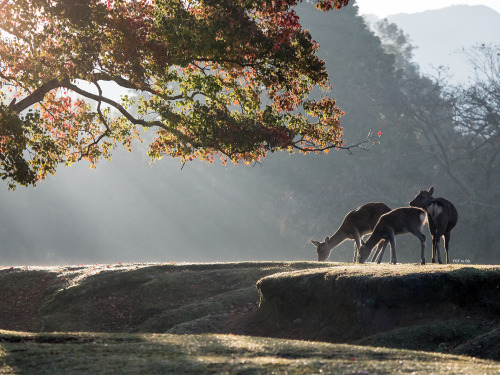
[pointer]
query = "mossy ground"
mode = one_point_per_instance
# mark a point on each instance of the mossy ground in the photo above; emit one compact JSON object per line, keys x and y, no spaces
{"x":436,"y":308}
{"x":87,"y":353}
{"x":130,"y":297}
{"x":147,"y":318}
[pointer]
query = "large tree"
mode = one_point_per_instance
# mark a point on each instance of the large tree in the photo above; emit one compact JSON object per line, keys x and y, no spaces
{"x":214,"y":78}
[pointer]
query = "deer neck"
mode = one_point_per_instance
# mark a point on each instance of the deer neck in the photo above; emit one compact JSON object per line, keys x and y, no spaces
{"x":337,"y":238}
{"x":373,"y":241}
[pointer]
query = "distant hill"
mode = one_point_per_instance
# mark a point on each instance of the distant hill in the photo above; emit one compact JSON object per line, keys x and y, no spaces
{"x":441,"y":34}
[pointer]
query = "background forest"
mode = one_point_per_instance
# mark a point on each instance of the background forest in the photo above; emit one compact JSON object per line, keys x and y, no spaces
{"x":432,"y":134}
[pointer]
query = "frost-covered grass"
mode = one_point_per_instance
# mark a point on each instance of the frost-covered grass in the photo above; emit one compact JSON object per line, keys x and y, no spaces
{"x":99,"y":353}
{"x":120,"y":318}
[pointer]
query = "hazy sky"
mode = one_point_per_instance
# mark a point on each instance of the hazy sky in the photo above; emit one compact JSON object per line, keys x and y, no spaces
{"x":383,"y":8}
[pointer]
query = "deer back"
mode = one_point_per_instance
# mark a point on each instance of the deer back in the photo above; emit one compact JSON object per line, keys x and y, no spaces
{"x":364,"y":219}
{"x":442,"y":215}
{"x":400,"y":220}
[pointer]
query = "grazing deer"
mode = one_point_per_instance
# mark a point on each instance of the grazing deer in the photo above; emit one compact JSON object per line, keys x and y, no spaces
{"x":356,"y":224}
{"x":398,"y":221}
{"x":442,"y":217}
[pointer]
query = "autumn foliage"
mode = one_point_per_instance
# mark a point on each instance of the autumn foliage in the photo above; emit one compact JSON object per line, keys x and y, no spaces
{"x":225,"y":79}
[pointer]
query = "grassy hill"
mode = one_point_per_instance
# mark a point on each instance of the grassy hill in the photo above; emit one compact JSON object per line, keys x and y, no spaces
{"x":212,"y":318}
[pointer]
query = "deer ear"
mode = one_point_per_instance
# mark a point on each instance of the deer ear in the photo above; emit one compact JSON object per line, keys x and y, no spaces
{"x":315,"y":243}
{"x":431,"y":190}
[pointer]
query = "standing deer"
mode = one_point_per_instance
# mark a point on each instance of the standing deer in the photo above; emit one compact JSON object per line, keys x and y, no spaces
{"x":398,"y":221}
{"x":442,"y":217}
{"x":356,"y":224}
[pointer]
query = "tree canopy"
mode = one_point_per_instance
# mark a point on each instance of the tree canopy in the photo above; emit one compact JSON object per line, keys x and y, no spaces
{"x":213,"y":78}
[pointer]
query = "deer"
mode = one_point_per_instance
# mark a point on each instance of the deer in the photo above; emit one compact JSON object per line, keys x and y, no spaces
{"x":398,"y":221}
{"x":442,"y":218}
{"x":355,"y":225}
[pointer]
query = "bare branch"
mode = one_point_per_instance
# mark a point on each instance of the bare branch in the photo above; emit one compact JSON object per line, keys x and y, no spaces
{"x":359,"y":145}
{"x":103,"y":120}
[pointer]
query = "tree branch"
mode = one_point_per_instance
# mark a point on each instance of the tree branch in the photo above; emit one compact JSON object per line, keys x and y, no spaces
{"x":348,"y":148}
{"x":35,"y":97}
{"x":173,"y":117}
{"x":102,"y":76}
{"x":39,"y":94}
{"x":103,"y":120}
{"x":7,"y":78}
{"x":3,"y":3}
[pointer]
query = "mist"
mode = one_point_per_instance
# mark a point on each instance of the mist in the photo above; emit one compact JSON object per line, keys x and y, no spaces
{"x":128,"y":210}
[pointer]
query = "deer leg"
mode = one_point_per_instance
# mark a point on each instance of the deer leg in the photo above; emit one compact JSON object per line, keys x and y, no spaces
{"x":382,"y":247}
{"x":446,"y":246}
{"x":434,"y":255}
{"x":357,"y":245}
{"x":440,"y":231}
{"x":422,"y":251}
{"x":422,"y":254}
{"x":436,"y":245}
{"x":417,"y":233}
{"x":392,"y":240}
{"x":376,"y":253}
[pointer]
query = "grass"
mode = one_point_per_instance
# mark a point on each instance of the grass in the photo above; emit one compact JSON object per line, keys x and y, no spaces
{"x":98,"y":353}
{"x":435,"y":337}
{"x":432,"y":307}
{"x":131,"y":297}
{"x":242,"y":318}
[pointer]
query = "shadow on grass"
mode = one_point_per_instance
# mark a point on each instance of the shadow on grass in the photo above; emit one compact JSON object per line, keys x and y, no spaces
{"x":211,"y":354}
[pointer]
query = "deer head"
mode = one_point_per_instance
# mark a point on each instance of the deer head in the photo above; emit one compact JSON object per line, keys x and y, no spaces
{"x":423,"y":198}
{"x":322,"y":248}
